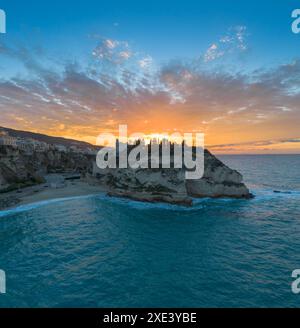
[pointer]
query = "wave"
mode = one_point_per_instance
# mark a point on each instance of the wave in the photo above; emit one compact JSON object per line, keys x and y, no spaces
{"x":198,"y":203}
{"x":32,"y":206}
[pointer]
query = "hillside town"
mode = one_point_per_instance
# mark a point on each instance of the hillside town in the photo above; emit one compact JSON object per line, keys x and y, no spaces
{"x":31,"y":145}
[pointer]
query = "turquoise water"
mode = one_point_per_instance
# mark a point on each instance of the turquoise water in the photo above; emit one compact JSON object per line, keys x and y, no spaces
{"x":103,"y":252}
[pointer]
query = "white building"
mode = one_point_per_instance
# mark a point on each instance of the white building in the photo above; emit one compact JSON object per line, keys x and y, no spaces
{"x":25,"y":145}
{"x":61,"y":148}
{"x":7,"y":140}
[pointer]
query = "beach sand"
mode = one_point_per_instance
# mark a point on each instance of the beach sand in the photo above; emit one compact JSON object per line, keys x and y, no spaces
{"x":46,"y":191}
{"x":78,"y":188}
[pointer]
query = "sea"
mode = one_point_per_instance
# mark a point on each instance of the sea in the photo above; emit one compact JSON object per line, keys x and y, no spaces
{"x":96,"y":251}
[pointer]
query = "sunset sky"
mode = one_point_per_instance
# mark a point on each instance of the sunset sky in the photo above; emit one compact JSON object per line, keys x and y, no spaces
{"x":229,"y":69}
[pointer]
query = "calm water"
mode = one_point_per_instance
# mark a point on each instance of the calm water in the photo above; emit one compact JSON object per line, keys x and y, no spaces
{"x":101,"y":252}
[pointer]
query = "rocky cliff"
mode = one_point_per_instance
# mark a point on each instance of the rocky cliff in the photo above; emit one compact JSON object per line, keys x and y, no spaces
{"x":218,"y":181}
{"x":19,"y":169}
{"x":170,"y":185}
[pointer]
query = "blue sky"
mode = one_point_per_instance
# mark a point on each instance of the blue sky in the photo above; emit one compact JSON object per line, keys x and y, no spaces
{"x":230,"y":69}
{"x":163,"y":29}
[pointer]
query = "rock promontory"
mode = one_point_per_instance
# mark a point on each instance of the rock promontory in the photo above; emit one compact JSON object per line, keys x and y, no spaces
{"x":170,"y":185}
{"x":26,"y":159}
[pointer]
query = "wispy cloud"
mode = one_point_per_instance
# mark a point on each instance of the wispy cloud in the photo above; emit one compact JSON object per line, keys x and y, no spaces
{"x":146,"y":62}
{"x":234,"y":40}
{"x":264,"y":146}
{"x":112,"y":50}
{"x":120,"y":85}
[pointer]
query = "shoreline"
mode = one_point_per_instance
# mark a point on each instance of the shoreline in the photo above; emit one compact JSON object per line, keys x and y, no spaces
{"x":83,"y":187}
{"x":66,"y":185}
{"x":44,"y":192}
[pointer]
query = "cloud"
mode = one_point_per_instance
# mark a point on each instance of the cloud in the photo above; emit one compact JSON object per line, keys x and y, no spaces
{"x":213,"y":52}
{"x":125,"y":54}
{"x":77,"y":97}
{"x":113,"y":51}
{"x":257,"y":143}
{"x":145,"y":62}
{"x":122,"y":86}
{"x":264,"y":146}
{"x":234,"y":40}
{"x":264,"y":91}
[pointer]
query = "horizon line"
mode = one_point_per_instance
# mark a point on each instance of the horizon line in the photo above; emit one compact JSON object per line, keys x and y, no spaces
{"x":209,"y":147}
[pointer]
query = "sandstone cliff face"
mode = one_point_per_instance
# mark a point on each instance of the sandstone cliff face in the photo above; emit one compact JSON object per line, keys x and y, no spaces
{"x":218,"y":181}
{"x":170,"y":185}
{"x":150,"y":185}
{"x":20,"y":168}
{"x":13,"y":168}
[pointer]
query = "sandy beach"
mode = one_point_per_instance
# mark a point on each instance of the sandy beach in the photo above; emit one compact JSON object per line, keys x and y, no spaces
{"x":48,"y":191}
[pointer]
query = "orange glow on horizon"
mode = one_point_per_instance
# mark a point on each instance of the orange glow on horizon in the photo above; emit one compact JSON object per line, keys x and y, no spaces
{"x":237,"y":135}
{"x":219,"y":144}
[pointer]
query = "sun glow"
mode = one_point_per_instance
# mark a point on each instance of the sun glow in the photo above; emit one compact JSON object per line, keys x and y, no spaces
{"x":160,"y":137}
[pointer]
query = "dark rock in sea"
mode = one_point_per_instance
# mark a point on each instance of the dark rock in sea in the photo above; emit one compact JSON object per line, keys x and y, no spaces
{"x":282,"y":192}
